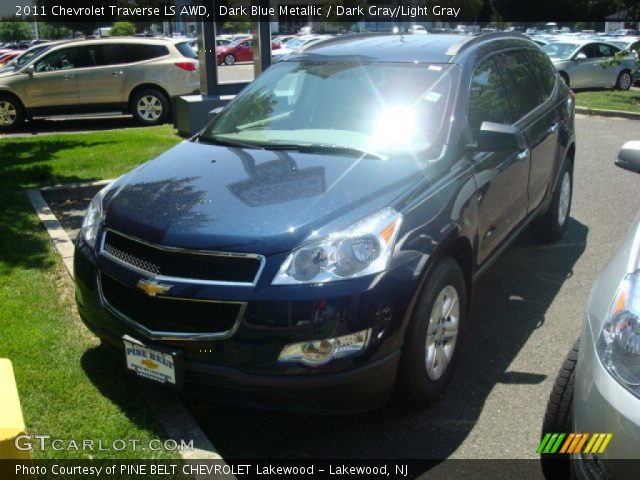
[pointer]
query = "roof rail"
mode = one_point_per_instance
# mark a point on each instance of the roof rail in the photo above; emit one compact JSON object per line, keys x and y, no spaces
{"x":482,"y":37}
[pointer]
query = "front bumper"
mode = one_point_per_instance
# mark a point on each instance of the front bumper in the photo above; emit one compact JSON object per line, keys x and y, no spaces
{"x":602,"y":405}
{"x":243,"y":368}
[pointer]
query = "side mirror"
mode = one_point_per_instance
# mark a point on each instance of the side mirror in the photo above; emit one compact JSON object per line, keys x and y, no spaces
{"x":497,"y":137}
{"x":580,"y":56}
{"x":214,"y":113}
{"x":30,"y":70}
{"x":629,"y":156}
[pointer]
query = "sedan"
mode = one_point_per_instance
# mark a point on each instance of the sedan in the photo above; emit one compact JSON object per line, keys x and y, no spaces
{"x":581,"y":64}
{"x":598,"y":386}
{"x":240,"y":50}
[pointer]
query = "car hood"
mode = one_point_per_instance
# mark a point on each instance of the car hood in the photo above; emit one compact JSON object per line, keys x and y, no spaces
{"x":218,"y":198}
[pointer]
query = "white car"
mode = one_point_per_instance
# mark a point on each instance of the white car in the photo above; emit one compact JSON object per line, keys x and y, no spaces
{"x":296,"y":45}
{"x":417,"y":30}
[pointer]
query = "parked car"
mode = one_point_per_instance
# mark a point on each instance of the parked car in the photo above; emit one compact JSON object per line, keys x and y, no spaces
{"x":597,"y":387}
{"x":7,"y":57}
{"x":296,"y":45}
{"x":417,"y":30}
{"x":626,"y":43}
{"x":318,"y":242}
{"x":134,"y":75}
{"x":580,"y":64}
{"x":240,"y":50}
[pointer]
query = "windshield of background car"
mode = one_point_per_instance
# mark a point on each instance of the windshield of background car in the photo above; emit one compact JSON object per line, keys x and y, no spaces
{"x":559,"y":50}
{"x":382,"y":108}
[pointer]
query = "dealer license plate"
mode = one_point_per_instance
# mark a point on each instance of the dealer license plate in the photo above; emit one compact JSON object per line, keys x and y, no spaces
{"x":150,"y":363}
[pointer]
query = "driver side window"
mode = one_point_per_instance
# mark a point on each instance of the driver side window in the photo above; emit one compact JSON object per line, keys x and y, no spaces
{"x":488,"y":100}
{"x":64,"y":59}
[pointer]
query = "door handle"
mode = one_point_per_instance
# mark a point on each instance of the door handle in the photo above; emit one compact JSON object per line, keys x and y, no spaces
{"x":554,"y":127}
{"x":69,"y":76}
{"x":521,"y":155}
{"x":117,"y":72}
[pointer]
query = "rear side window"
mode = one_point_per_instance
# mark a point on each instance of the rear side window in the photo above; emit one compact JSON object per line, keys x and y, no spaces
{"x":519,"y":81}
{"x":604,"y":50}
{"x":186,"y":51}
{"x":488,"y":100}
{"x":139,"y":52}
{"x":544,"y":70}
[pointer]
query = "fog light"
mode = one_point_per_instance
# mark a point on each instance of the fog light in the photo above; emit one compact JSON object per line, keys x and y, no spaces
{"x":321,"y":352}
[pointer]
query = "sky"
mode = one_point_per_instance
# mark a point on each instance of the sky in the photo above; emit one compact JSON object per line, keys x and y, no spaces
{"x":8,"y":7}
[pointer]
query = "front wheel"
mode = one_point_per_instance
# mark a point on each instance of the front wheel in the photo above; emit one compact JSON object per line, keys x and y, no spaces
{"x":150,"y":107}
{"x":433,"y":336}
{"x":229,"y":59}
{"x":551,"y":226}
{"x":624,"y":80}
{"x":11,"y":113}
{"x":557,"y":418}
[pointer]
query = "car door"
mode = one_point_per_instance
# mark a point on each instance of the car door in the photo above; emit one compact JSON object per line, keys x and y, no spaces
{"x":607,"y":76}
{"x":501,"y":177}
{"x":54,"y":82}
{"x":532,"y":82}
{"x":101,"y":74}
{"x":584,"y":67}
{"x":245,"y":51}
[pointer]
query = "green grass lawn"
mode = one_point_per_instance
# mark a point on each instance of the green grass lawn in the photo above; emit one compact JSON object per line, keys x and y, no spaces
{"x":69,"y":387}
{"x":609,"y":99}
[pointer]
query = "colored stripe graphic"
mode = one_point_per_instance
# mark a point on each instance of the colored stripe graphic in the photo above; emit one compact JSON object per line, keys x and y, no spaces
{"x":567,"y":443}
{"x":544,"y":441}
{"x":605,"y":443}
{"x":574,"y":443}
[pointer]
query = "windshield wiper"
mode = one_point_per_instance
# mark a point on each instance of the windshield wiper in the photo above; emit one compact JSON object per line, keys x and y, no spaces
{"x":225,"y":142}
{"x":323,"y":148}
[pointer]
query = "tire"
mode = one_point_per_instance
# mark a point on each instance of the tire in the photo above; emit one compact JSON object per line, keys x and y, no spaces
{"x":150,"y":106}
{"x":625,"y":80}
{"x":557,"y":418}
{"x":565,"y":77}
{"x":551,"y":226}
{"x":229,"y":59}
{"x":11,"y":113}
{"x":418,"y":383}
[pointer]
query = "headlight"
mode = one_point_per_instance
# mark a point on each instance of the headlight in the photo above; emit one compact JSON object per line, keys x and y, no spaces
{"x":320,"y":352}
{"x":93,"y":218}
{"x":361,"y":249}
{"x":619,"y":343}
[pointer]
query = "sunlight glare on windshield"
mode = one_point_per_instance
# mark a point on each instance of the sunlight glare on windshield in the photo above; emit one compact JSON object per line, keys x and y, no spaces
{"x":396,"y":124}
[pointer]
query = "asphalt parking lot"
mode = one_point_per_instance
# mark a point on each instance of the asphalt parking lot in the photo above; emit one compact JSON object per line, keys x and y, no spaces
{"x":528,"y":311}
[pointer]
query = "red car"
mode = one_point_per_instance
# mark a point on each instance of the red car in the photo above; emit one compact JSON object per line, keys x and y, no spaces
{"x":240,"y":50}
{"x":6,"y":57}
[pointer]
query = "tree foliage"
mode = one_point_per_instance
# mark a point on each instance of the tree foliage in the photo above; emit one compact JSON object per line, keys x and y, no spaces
{"x":15,"y":31}
{"x":123,"y":29}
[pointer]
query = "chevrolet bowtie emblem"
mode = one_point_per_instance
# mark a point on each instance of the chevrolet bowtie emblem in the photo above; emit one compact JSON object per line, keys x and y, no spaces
{"x":153,"y":288}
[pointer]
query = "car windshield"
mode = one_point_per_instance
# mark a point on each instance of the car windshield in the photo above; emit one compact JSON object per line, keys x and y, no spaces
{"x":560,"y":49}
{"x":235,"y":43}
{"x":370,"y":107}
{"x":298,"y":42}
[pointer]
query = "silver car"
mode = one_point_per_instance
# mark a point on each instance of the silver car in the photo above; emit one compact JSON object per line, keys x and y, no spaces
{"x":580,"y":63}
{"x":134,"y":75}
{"x":598,"y":387}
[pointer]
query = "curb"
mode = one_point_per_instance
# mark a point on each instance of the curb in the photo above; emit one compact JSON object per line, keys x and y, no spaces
{"x":608,"y":113}
{"x":175,"y":419}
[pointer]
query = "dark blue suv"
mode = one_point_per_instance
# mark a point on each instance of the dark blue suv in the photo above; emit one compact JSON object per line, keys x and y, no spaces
{"x":316,"y":245}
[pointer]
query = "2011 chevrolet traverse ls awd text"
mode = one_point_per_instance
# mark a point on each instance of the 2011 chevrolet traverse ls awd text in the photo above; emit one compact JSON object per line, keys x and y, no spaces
{"x":316,"y":245}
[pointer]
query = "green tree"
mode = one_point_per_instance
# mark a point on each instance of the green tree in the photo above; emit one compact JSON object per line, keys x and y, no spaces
{"x":15,"y":31}
{"x":239,"y":24}
{"x":53,"y":31}
{"x":123,"y":29}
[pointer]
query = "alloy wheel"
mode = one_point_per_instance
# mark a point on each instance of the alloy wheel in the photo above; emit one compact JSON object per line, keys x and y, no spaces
{"x":565,"y":198}
{"x":229,"y":60}
{"x":149,"y":108}
{"x":442,"y":332}
{"x":625,"y":81}
{"x":8,"y":113}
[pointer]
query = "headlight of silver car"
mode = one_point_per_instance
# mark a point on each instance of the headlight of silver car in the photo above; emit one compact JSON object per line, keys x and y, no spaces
{"x":619,"y":343}
{"x":362,"y":249}
{"x":93,"y":218}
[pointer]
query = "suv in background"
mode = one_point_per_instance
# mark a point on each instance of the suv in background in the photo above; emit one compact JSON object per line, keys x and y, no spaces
{"x":134,"y":75}
{"x":318,"y":242}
